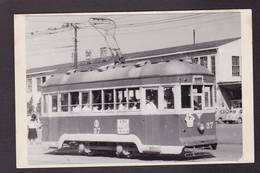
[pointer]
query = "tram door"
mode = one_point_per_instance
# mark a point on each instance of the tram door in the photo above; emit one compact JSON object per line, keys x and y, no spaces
{"x":152,"y":121}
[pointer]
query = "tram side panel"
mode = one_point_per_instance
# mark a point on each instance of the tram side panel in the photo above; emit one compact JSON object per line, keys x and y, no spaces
{"x":164,"y":130}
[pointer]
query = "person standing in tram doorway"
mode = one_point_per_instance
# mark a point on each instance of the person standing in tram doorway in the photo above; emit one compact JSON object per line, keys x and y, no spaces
{"x":33,"y":124}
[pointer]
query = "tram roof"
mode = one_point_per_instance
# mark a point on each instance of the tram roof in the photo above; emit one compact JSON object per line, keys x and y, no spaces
{"x":131,"y":71}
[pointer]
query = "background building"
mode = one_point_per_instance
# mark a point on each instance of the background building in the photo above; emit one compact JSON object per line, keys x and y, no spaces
{"x":221,"y":57}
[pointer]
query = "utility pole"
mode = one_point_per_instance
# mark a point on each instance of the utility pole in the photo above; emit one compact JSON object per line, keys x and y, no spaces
{"x":194,"y":36}
{"x":75,"y":27}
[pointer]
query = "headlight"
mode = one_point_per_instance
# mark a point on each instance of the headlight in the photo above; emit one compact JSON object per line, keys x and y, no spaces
{"x":201,"y":127}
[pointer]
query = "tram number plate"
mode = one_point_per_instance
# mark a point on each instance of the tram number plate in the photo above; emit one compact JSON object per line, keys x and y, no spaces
{"x":123,"y":126}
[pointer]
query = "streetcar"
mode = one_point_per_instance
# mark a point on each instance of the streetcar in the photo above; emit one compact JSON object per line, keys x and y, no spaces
{"x":145,"y":107}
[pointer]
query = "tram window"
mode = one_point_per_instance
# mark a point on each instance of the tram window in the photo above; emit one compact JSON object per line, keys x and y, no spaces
{"x":204,"y":61}
{"x":208,"y":96}
{"x":197,"y":102}
{"x":45,"y":103}
{"x":151,"y":96}
{"x":121,"y":99}
{"x":134,"y":98}
{"x":74,"y":102}
{"x":168,"y":98}
{"x":54,"y":103}
{"x":64,"y":102}
{"x":197,"y":89}
{"x":109,"y":99}
{"x":197,"y":97}
{"x":185,"y":96}
{"x":85,"y":101}
{"x":96,"y":100}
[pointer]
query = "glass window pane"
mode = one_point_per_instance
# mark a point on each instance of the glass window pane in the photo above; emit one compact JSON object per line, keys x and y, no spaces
{"x":39,"y":84}
{"x":121,"y":99}
{"x":134,"y":98}
{"x":96,"y":100}
{"x":235,"y":66}
{"x":197,"y":89}
{"x":206,"y":94}
{"x":43,"y":79}
{"x":203,"y":61}
{"x":54,"y":101}
{"x":151,"y":96}
{"x":85,"y":101}
{"x":45,"y":103}
{"x":197,"y":102}
{"x":74,"y":102}
{"x":185,"y":96}
{"x":109,"y":99}
{"x":195,"y":60}
{"x":64,"y":99}
{"x":213,"y":65}
{"x":168,"y":98}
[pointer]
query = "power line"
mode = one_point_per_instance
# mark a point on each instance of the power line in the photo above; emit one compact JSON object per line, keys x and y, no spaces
{"x":180,"y":26}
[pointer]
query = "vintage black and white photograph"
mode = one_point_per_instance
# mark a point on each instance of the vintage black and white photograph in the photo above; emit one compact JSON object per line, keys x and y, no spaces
{"x":133,"y":88}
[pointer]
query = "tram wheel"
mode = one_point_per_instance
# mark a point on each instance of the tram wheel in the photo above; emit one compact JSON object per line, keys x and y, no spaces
{"x":85,"y":150}
{"x":124,"y":152}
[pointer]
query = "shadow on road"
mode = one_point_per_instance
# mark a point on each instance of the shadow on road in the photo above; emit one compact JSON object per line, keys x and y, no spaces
{"x":144,"y":157}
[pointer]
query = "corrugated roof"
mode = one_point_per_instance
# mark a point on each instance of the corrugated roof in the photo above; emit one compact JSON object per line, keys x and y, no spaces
{"x":98,"y":62}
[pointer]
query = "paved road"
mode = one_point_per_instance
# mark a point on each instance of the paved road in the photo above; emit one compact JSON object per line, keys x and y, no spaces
{"x":229,"y":149}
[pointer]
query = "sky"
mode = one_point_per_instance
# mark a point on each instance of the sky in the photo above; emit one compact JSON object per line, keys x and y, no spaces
{"x":47,"y":46}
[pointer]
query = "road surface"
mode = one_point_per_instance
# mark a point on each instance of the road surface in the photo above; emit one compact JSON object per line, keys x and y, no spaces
{"x":229,"y":149}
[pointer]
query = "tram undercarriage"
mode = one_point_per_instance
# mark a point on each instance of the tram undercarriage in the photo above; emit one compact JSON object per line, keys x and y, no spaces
{"x":129,"y":149}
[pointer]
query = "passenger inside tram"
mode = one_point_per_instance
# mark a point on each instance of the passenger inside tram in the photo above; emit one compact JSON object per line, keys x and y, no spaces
{"x":86,"y":108}
{"x":121,"y":107}
{"x":150,"y":104}
{"x":77,"y":108}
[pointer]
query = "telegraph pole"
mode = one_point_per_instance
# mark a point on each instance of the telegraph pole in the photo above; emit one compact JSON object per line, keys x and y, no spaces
{"x":194,"y":36}
{"x":75,"y":27}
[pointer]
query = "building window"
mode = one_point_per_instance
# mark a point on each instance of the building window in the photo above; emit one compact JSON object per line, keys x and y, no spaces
{"x":204,"y":61}
{"x":29,"y":85}
{"x":235,"y":66}
{"x":45,"y":103}
{"x":213,"y":65}
{"x":43,"y":79}
{"x":168,"y":98}
{"x":39,"y":84}
{"x":185,"y":96}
